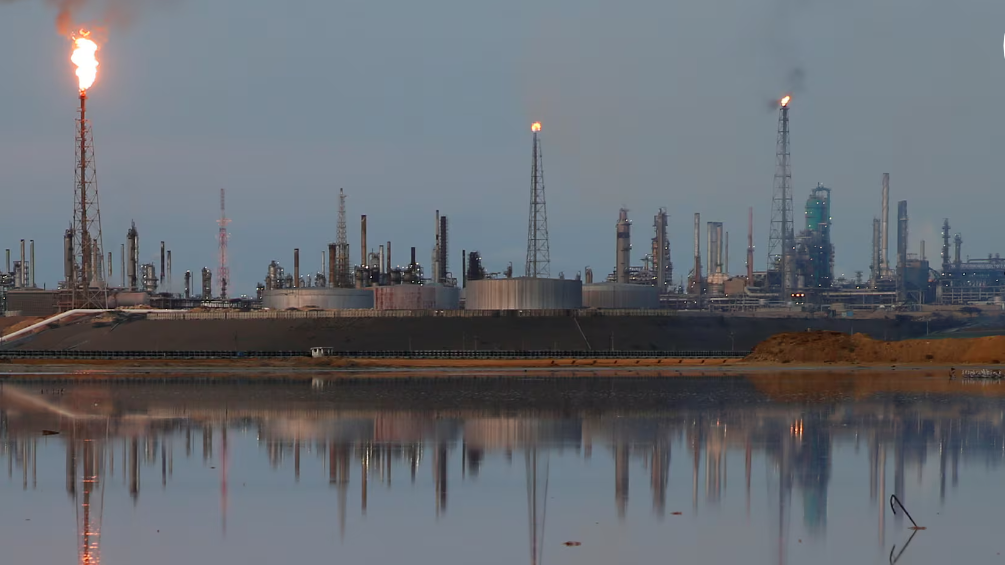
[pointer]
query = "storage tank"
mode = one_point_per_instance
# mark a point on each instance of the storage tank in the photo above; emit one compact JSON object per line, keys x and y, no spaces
{"x":323,"y":298}
{"x":617,"y":295}
{"x":524,"y":293}
{"x":416,"y":297}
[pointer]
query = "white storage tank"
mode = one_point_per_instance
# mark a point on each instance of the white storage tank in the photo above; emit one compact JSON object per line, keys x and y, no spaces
{"x":524,"y":293}
{"x":416,"y":297}
{"x":323,"y":298}
{"x":620,"y":295}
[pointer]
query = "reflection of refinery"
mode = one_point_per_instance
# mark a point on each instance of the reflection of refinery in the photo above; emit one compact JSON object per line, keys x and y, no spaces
{"x":316,"y":434}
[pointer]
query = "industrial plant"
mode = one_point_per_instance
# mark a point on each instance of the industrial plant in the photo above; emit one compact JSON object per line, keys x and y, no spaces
{"x":799,"y":273}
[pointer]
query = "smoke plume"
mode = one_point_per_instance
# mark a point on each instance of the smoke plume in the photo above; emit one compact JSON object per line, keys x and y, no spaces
{"x":107,"y":13}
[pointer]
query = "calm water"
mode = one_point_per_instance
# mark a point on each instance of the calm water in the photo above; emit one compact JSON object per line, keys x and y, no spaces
{"x":719,"y":470}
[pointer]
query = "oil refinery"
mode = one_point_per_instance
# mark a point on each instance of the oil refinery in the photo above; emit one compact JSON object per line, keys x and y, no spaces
{"x":798,"y":276}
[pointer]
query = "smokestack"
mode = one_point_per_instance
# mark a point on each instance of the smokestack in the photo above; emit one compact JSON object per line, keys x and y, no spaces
{"x":169,"y":269}
{"x":163,"y":263}
{"x":188,"y":284}
{"x":412,"y":263}
{"x":122,"y":255}
{"x":68,"y":261}
{"x":362,"y":242}
{"x":922,"y":254}
{"x":388,"y":264}
{"x":110,"y":273}
{"x":725,"y":262}
{"x":383,"y":258}
{"x":8,"y":256}
{"x":750,"y":246}
{"x":133,"y":249}
{"x":464,"y":268}
{"x":624,"y":246}
{"x":296,"y":268}
{"x":443,"y":259}
{"x":332,"y":259}
{"x":436,"y":251}
{"x":31,"y":263}
{"x":885,"y":228}
{"x":902,"y":250}
{"x":696,"y":276}
{"x":876,"y":253}
{"x":661,"y":250}
{"x":21,"y":280}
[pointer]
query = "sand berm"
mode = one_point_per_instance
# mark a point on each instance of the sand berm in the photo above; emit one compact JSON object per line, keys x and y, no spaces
{"x":835,"y":347}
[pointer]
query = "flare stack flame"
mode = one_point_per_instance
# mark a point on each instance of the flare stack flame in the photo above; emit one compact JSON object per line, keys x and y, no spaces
{"x":84,"y":58}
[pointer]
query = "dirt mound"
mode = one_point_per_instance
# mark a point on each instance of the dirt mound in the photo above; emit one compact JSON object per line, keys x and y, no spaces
{"x":24,"y":323}
{"x":834,"y":347}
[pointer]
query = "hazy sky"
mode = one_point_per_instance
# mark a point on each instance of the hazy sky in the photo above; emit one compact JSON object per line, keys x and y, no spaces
{"x":413,"y":107}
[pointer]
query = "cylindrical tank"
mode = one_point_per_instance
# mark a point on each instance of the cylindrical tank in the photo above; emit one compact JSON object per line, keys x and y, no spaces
{"x":323,"y":298}
{"x":207,"y":283}
{"x":524,"y":293}
{"x":615,"y":295}
{"x":416,"y":297}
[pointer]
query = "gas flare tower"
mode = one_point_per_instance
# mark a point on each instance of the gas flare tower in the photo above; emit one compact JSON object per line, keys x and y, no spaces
{"x":343,"y":270}
{"x":87,"y":285}
{"x":538,"y":252}
{"x":780,"y":238}
{"x":223,"y":271}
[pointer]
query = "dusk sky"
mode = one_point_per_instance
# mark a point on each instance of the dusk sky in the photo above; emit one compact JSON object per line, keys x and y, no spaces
{"x":419,"y":106}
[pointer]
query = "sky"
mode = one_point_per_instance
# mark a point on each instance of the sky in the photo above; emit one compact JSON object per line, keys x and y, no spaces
{"x":417,"y":107}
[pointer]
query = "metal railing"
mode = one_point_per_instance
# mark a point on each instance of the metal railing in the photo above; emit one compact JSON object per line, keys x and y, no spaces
{"x":390,"y":354}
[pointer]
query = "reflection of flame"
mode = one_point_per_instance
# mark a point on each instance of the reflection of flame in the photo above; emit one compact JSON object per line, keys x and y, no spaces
{"x":785,"y":100}
{"x":83,"y":57}
{"x":535,"y":127}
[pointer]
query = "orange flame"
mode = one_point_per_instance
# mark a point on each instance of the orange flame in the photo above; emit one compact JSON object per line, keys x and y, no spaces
{"x":84,"y":58}
{"x":785,"y":100}
{"x":535,"y":127}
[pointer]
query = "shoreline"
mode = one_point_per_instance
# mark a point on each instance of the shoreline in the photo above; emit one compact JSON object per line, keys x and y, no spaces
{"x":305,"y":368}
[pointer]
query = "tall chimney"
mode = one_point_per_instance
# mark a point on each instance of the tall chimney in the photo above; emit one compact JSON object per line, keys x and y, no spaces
{"x":622,"y":257}
{"x":388,"y":264}
{"x":922,"y":254}
{"x":8,"y":257}
{"x":725,"y":262}
{"x":163,"y":263}
{"x":31,"y":263}
{"x":436,"y":251}
{"x":363,"y":261}
{"x":296,"y":268}
{"x":188,"y":284}
{"x":110,"y":273}
{"x":123,"y":266}
{"x":21,"y":279}
{"x":332,"y":259}
{"x":383,"y":258}
{"x":902,"y":250}
{"x":750,"y":246}
{"x":68,"y":260}
{"x":169,"y":269}
{"x":876,"y":246}
{"x":464,"y":268}
{"x":884,"y":227}
{"x":412,"y":263}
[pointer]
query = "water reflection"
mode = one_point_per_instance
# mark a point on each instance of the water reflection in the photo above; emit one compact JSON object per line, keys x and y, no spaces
{"x":793,"y":425}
